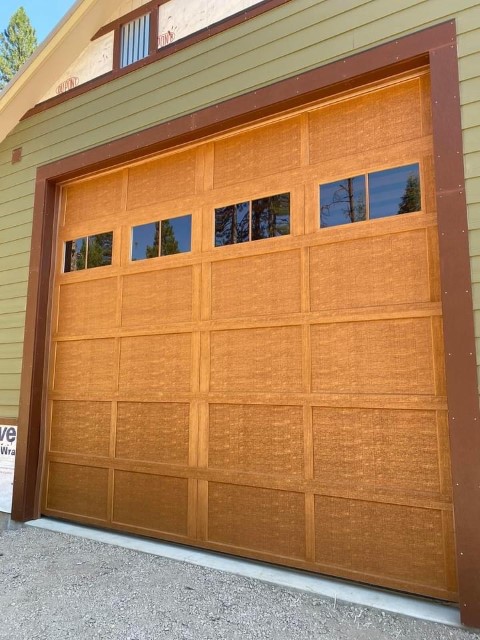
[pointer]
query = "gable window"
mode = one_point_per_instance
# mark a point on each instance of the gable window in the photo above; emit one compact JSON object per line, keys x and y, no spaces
{"x":380,"y":194}
{"x":258,"y":219}
{"x":135,"y":40}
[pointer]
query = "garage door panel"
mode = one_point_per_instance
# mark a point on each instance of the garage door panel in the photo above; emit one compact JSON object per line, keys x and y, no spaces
{"x":371,"y":121}
{"x":82,"y":428}
{"x":153,"y":432}
{"x":390,"y":356}
{"x":155,"y":363}
{"x":87,"y":307}
{"x":256,"y":439}
{"x":77,"y":490}
{"x":378,"y":449}
{"x":368,"y":272}
{"x":257,"y":286}
{"x":266,"y":150}
{"x":257,"y":360}
{"x":263,"y":520}
{"x":154,"y":502}
{"x":94,"y":198}
{"x":158,"y":180}
{"x":85,"y":367}
{"x":171,"y":301}
{"x":394,"y":542}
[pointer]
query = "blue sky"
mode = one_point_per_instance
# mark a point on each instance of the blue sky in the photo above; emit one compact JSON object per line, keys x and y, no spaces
{"x":43,"y":14}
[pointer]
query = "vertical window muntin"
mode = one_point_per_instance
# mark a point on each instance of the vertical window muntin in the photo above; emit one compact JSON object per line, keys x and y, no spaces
{"x":169,"y":236}
{"x":369,"y":187}
{"x":250,"y":214}
{"x":135,"y":40}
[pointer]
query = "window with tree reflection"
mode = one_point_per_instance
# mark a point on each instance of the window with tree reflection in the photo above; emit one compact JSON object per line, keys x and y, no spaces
{"x":89,"y":252}
{"x":75,"y":255}
{"x":379,"y":194}
{"x":343,"y":202}
{"x":267,"y":217}
{"x":232,"y":224}
{"x":163,"y":238}
{"x":394,"y":191}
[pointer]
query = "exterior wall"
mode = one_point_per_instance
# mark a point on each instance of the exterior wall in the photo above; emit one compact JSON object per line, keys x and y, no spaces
{"x":293,"y":38}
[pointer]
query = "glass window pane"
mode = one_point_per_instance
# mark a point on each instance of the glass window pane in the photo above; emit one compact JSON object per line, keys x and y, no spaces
{"x":342,"y":202}
{"x":145,"y":241}
{"x":100,"y":250}
{"x":176,"y":236}
{"x":231,"y":224}
{"x":75,"y":255}
{"x":271,"y":216}
{"x":394,"y":191}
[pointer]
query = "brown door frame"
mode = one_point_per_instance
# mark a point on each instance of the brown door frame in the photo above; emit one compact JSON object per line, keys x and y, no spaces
{"x":435,"y":47}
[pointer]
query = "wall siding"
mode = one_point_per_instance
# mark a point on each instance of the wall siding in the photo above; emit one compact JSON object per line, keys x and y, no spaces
{"x":301,"y":35}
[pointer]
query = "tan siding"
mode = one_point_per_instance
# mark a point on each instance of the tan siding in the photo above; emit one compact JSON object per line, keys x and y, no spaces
{"x":473,"y":218}
{"x":471,"y":115}
{"x":298,"y":36}
{"x":18,"y":232}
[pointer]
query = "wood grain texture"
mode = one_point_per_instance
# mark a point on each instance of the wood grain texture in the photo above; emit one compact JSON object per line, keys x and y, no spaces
{"x":282,"y":399}
{"x":392,"y":269}
{"x":153,"y":432}
{"x":82,"y":428}
{"x":171,"y":302}
{"x":256,"y":286}
{"x":259,"y":519}
{"x":256,"y":439}
{"x":163,"y":504}
{"x":150,"y":363}
{"x":404,"y":543}
{"x":263,"y":151}
{"x":77,"y":490}
{"x":93,"y":199}
{"x":87,"y":307}
{"x":371,"y":121}
{"x":158,"y":180}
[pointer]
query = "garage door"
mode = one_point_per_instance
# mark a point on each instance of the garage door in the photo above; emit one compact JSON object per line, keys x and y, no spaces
{"x":247,"y":351}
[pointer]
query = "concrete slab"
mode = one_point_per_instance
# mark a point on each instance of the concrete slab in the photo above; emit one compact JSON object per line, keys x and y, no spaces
{"x":292,"y":579}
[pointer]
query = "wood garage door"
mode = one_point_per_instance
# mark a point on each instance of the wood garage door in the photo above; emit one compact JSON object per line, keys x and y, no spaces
{"x":266,"y":376}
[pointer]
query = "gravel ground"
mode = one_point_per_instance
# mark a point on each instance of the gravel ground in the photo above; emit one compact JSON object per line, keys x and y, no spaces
{"x":55,"y":586}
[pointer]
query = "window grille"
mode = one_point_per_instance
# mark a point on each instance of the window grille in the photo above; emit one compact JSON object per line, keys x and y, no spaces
{"x":135,"y":40}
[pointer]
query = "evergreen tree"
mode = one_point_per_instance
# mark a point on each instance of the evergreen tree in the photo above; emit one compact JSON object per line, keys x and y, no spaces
{"x":411,"y":196}
{"x":17,"y":43}
{"x":169,"y":243}
{"x":99,"y":250}
{"x":152,"y":250}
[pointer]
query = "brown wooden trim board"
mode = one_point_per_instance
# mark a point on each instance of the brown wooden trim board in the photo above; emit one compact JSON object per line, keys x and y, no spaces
{"x":435,"y":46}
{"x":10,"y":422}
{"x":155,"y":54}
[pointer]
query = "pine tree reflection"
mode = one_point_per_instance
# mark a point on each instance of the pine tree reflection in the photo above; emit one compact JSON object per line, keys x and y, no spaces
{"x":343,"y":202}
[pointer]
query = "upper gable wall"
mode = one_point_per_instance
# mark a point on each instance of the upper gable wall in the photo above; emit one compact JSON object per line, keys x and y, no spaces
{"x":176,"y":19}
{"x":296,"y":37}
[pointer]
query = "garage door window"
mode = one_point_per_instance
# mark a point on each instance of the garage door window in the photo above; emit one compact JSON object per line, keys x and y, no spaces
{"x":163,"y":238}
{"x":258,"y":219}
{"x":380,"y":194}
{"x":90,"y":252}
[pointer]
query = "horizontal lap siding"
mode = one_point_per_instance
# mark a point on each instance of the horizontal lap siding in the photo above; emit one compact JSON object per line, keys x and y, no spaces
{"x":301,"y":35}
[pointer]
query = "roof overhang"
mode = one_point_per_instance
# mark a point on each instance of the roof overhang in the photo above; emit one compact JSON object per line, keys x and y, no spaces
{"x":58,"y":51}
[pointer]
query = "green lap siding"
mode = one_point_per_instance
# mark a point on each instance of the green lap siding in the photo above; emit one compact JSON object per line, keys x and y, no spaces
{"x":296,"y":37}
